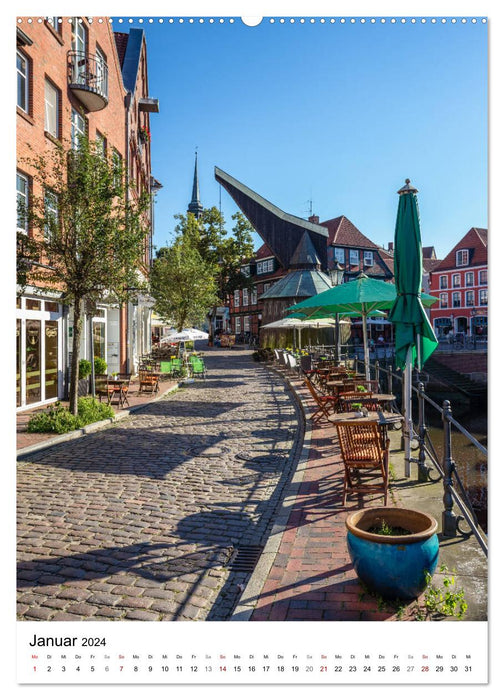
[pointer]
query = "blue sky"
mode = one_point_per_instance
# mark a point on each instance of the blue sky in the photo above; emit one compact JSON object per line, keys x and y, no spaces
{"x":336,"y":114}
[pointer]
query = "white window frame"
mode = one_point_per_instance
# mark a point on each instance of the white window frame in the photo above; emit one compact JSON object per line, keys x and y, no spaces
{"x":443,"y":282}
{"x":79,"y":36}
{"x":456,"y":280}
{"x":443,"y":300}
{"x":481,"y":274}
{"x":470,"y":297}
{"x":267,"y":285}
{"x":368,"y":258}
{"x":259,"y":268}
{"x":51,"y":209}
{"x":462,"y":257}
{"x":51,"y":108}
{"x":245,"y":297}
{"x":246,"y":324}
{"x":101,"y":71}
{"x":339,"y":255}
{"x":353,"y":256}
{"x":78,"y":128}
{"x":469,"y":279}
{"x":268,"y":265}
{"x":483,"y":297}
{"x":246,"y":270}
{"x":236,"y":300}
{"x":237,"y":325}
{"x":23,"y":82}
{"x":456,"y":300}
{"x":253,"y":296}
{"x":23,"y":194}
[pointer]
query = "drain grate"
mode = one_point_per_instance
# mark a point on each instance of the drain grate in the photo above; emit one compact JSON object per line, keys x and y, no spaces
{"x":245,"y":558}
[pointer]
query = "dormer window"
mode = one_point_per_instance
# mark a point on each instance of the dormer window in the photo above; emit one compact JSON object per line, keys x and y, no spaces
{"x":462,"y":257}
{"x":368,"y":258}
{"x":354,"y":257}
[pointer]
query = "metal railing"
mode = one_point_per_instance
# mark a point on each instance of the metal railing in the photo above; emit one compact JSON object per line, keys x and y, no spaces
{"x":454,"y":492}
{"x":89,"y":72}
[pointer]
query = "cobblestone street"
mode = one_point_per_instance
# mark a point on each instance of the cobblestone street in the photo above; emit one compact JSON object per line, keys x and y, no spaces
{"x":139,"y":521}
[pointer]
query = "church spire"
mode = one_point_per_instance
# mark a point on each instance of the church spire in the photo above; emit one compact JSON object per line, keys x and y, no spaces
{"x":195,"y":207}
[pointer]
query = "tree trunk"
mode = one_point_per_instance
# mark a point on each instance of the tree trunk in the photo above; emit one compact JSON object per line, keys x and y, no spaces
{"x":74,"y":367}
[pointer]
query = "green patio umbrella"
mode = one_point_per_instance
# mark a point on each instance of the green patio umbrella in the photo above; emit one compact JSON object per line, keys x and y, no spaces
{"x":363,"y":296}
{"x":415,"y":340}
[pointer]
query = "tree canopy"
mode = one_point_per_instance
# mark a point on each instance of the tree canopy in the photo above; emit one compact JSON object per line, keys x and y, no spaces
{"x":201,"y":267}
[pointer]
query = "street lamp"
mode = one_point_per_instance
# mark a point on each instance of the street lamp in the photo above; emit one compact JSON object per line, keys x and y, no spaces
{"x":336,"y":276}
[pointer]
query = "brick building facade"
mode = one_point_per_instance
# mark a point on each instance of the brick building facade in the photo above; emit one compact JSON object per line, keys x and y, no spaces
{"x":69,"y":82}
{"x":461,"y":283}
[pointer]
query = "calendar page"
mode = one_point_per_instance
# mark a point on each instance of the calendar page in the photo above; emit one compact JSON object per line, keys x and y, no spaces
{"x":251,"y":348}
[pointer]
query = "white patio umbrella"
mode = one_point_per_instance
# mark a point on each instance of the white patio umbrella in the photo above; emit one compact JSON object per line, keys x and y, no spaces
{"x":185,"y":335}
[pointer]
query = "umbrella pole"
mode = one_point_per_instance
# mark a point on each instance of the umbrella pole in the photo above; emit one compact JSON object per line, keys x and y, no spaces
{"x":407,"y":414}
{"x":366,"y":349}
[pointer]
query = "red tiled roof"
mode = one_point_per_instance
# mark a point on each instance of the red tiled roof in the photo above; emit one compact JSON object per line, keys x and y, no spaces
{"x":343,"y":233}
{"x":475,"y":241}
{"x":263,"y":252}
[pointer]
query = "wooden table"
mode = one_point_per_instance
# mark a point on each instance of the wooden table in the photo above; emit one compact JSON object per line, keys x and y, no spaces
{"x":383,"y":418}
{"x":119,"y":385}
{"x":383,"y":399}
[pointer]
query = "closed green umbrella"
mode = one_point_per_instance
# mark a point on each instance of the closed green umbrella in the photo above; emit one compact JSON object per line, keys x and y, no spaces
{"x":415,"y":340}
{"x":413,"y":331}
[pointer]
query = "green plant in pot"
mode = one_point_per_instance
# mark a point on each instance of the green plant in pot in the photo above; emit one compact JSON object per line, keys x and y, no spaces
{"x":84,"y":369}
{"x":394,"y":551}
{"x":100,"y":366}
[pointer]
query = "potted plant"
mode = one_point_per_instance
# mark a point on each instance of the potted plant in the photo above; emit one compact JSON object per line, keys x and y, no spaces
{"x":393,"y":550}
{"x":84,"y":372}
{"x":357,"y":407}
{"x":100,"y":366}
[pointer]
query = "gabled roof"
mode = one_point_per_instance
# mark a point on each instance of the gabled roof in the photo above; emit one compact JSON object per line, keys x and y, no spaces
{"x":281,"y":231}
{"x":343,"y":233}
{"x":475,"y":241}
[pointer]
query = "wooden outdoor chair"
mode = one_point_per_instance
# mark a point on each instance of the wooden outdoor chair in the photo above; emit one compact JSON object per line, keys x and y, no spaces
{"x":324,"y":403}
{"x":147,"y":381}
{"x":103,"y":388}
{"x":365,"y":458}
{"x":126,"y":379}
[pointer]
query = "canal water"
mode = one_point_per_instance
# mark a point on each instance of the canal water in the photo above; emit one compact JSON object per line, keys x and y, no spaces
{"x":471,"y":463}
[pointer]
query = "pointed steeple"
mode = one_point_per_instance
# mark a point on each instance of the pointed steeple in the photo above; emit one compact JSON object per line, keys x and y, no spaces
{"x":195,"y":207}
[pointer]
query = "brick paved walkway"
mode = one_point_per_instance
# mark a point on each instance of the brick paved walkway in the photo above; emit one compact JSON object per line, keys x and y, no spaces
{"x":311,"y":577}
{"x":137,"y":521}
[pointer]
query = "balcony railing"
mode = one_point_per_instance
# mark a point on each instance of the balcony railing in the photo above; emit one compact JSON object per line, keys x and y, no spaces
{"x":88,"y":79}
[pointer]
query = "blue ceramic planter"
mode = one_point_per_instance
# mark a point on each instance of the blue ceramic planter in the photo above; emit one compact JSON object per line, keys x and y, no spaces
{"x":393,"y":566}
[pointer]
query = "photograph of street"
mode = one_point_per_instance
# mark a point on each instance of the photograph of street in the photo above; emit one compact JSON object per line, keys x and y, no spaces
{"x":251,"y":319}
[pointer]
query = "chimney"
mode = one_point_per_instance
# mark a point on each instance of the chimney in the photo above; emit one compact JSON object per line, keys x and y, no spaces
{"x":313,"y":219}
{"x":390,"y":247}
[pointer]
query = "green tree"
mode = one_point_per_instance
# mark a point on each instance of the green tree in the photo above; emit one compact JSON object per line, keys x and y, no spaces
{"x":182,"y":282}
{"x":221,"y":255}
{"x":89,"y":236}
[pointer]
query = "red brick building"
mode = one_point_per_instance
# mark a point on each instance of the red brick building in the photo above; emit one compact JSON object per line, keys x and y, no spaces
{"x":461,"y":283}
{"x":69,"y":82}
